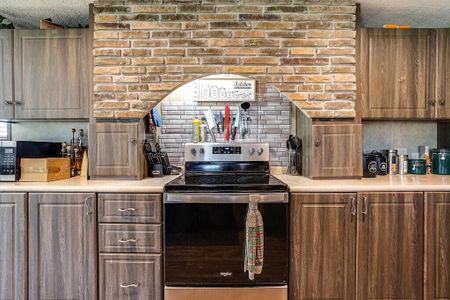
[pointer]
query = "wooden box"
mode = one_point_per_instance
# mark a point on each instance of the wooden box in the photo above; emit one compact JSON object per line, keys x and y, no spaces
{"x":44,"y":169}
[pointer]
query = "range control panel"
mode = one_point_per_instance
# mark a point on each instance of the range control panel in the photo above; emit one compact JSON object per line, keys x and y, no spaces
{"x":208,"y":152}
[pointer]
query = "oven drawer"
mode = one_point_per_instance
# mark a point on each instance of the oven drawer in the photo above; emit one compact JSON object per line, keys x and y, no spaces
{"x":130,"y":276}
{"x":131,"y":238}
{"x":129,"y":208}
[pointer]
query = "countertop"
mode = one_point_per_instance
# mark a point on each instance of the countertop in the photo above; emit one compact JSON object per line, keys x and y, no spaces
{"x":388,"y":183}
{"x":77,"y":184}
{"x":297,"y":184}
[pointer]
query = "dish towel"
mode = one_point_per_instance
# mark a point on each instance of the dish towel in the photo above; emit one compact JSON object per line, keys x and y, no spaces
{"x":254,"y":243}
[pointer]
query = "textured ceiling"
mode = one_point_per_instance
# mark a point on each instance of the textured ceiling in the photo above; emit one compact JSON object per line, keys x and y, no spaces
{"x":416,"y":13}
{"x":375,"y":13}
{"x":27,"y":13}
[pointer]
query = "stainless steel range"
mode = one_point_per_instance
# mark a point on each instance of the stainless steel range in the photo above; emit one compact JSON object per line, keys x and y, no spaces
{"x":212,"y":244}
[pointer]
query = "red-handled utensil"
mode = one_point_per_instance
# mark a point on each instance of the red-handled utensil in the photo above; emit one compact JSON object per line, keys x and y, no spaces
{"x":227,"y":123}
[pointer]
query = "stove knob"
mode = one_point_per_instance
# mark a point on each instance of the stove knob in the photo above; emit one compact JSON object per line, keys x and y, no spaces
{"x":193,"y":151}
{"x":202,"y":151}
{"x":260,"y":151}
{"x":251,"y":151}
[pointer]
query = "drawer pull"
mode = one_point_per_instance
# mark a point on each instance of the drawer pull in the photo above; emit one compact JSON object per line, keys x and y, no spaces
{"x":122,"y":241}
{"x":127,"y":209}
{"x":130,"y":285}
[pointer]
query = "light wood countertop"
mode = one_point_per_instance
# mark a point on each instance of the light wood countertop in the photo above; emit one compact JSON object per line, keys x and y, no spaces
{"x":388,"y":183}
{"x":77,"y":184}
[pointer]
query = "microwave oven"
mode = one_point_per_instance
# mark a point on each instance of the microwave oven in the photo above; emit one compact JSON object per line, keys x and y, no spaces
{"x":12,"y":151}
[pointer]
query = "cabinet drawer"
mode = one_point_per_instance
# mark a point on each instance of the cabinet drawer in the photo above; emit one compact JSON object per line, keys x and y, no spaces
{"x":125,"y":276}
{"x":140,"y":238}
{"x":129,"y":208}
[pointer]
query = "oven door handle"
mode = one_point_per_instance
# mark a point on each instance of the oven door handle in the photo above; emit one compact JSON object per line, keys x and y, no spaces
{"x":214,"y":198}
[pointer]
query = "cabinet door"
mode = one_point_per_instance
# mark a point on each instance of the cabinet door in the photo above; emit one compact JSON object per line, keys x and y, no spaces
{"x":390,"y":246}
{"x":397,"y":68}
{"x":443,"y":79}
{"x":116,"y":150}
{"x":12,"y":246}
{"x":437,"y":246}
{"x":62,"y":252}
{"x":6,"y":96}
{"x":337,"y":150}
{"x":130,"y":276}
{"x":323,"y":244}
{"x":51,"y":74}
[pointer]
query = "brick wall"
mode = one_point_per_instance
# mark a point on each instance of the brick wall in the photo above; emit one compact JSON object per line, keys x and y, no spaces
{"x":145,"y":49}
{"x":269,"y":122}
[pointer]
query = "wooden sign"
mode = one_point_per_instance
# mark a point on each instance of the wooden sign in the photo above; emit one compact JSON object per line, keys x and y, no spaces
{"x":225,"y":90}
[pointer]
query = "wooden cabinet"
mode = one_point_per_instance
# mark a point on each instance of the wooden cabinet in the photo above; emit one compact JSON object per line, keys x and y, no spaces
{"x":116,"y":150}
{"x":397,"y":69}
{"x":323,"y":243}
{"x":62,"y":246}
{"x":51,"y":71}
{"x":390,"y":246}
{"x":125,"y":276}
{"x":437,"y":246}
{"x":330,"y":149}
{"x":6,"y":83}
{"x":13,"y":244}
{"x":443,"y":74}
{"x":365,"y":248}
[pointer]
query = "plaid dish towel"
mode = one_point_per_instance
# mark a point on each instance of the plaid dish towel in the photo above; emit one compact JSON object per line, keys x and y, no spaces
{"x":254,"y":244}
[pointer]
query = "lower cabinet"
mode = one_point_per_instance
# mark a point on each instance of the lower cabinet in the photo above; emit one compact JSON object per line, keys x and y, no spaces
{"x":130,"y":276}
{"x":13,"y":246}
{"x":364,"y":247}
{"x":62,"y":246}
{"x":437,"y":246}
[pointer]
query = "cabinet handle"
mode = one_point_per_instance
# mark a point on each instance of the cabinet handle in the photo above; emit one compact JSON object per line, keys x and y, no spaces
{"x":8,"y":102}
{"x":317,"y":143}
{"x":442,"y":102}
{"x":129,"y":285}
{"x":353,"y":208}
{"x":122,"y":241}
{"x":432,"y":102}
{"x":19,"y":102}
{"x":127,"y":209}
{"x":133,"y":141}
{"x":365,"y":207}
{"x":87,"y":203}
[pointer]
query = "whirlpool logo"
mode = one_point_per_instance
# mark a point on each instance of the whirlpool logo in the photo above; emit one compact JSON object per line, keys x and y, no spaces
{"x":226,"y":274}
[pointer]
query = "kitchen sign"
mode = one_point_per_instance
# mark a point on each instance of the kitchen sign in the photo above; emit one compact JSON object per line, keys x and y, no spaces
{"x":225,"y":90}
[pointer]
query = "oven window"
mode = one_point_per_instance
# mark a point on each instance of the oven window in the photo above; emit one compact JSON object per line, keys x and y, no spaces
{"x":4,"y":131}
{"x":205,"y":244}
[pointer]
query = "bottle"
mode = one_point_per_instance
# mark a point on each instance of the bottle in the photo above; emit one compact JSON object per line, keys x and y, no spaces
{"x":426,"y":156}
{"x":196,"y":130}
{"x":203,"y":131}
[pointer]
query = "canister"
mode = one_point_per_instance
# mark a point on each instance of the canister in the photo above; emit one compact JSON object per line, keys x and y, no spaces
{"x":381,"y":163}
{"x":440,"y":161}
{"x":369,"y":165}
{"x":417,"y":166}
{"x":402,"y":164}
{"x":392,"y":165}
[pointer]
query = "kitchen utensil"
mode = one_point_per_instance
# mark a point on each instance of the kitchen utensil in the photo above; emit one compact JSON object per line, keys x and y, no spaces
{"x":219,"y":119}
{"x":417,"y":166}
{"x":211,"y":123}
{"x":369,"y":165}
{"x":245,"y":119}
{"x":440,"y":161}
{"x":403,"y":164}
{"x":235,"y":124}
{"x":392,"y":162}
{"x":227,"y":123}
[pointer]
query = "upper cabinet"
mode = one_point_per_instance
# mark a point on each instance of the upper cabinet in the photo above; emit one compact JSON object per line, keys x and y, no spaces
{"x":51,"y":71}
{"x":397,"y":69}
{"x":6,"y":85}
{"x":443,"y":74}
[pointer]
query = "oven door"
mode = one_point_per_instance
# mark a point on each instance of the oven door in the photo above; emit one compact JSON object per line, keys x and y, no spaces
{"x":205,"y":239}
